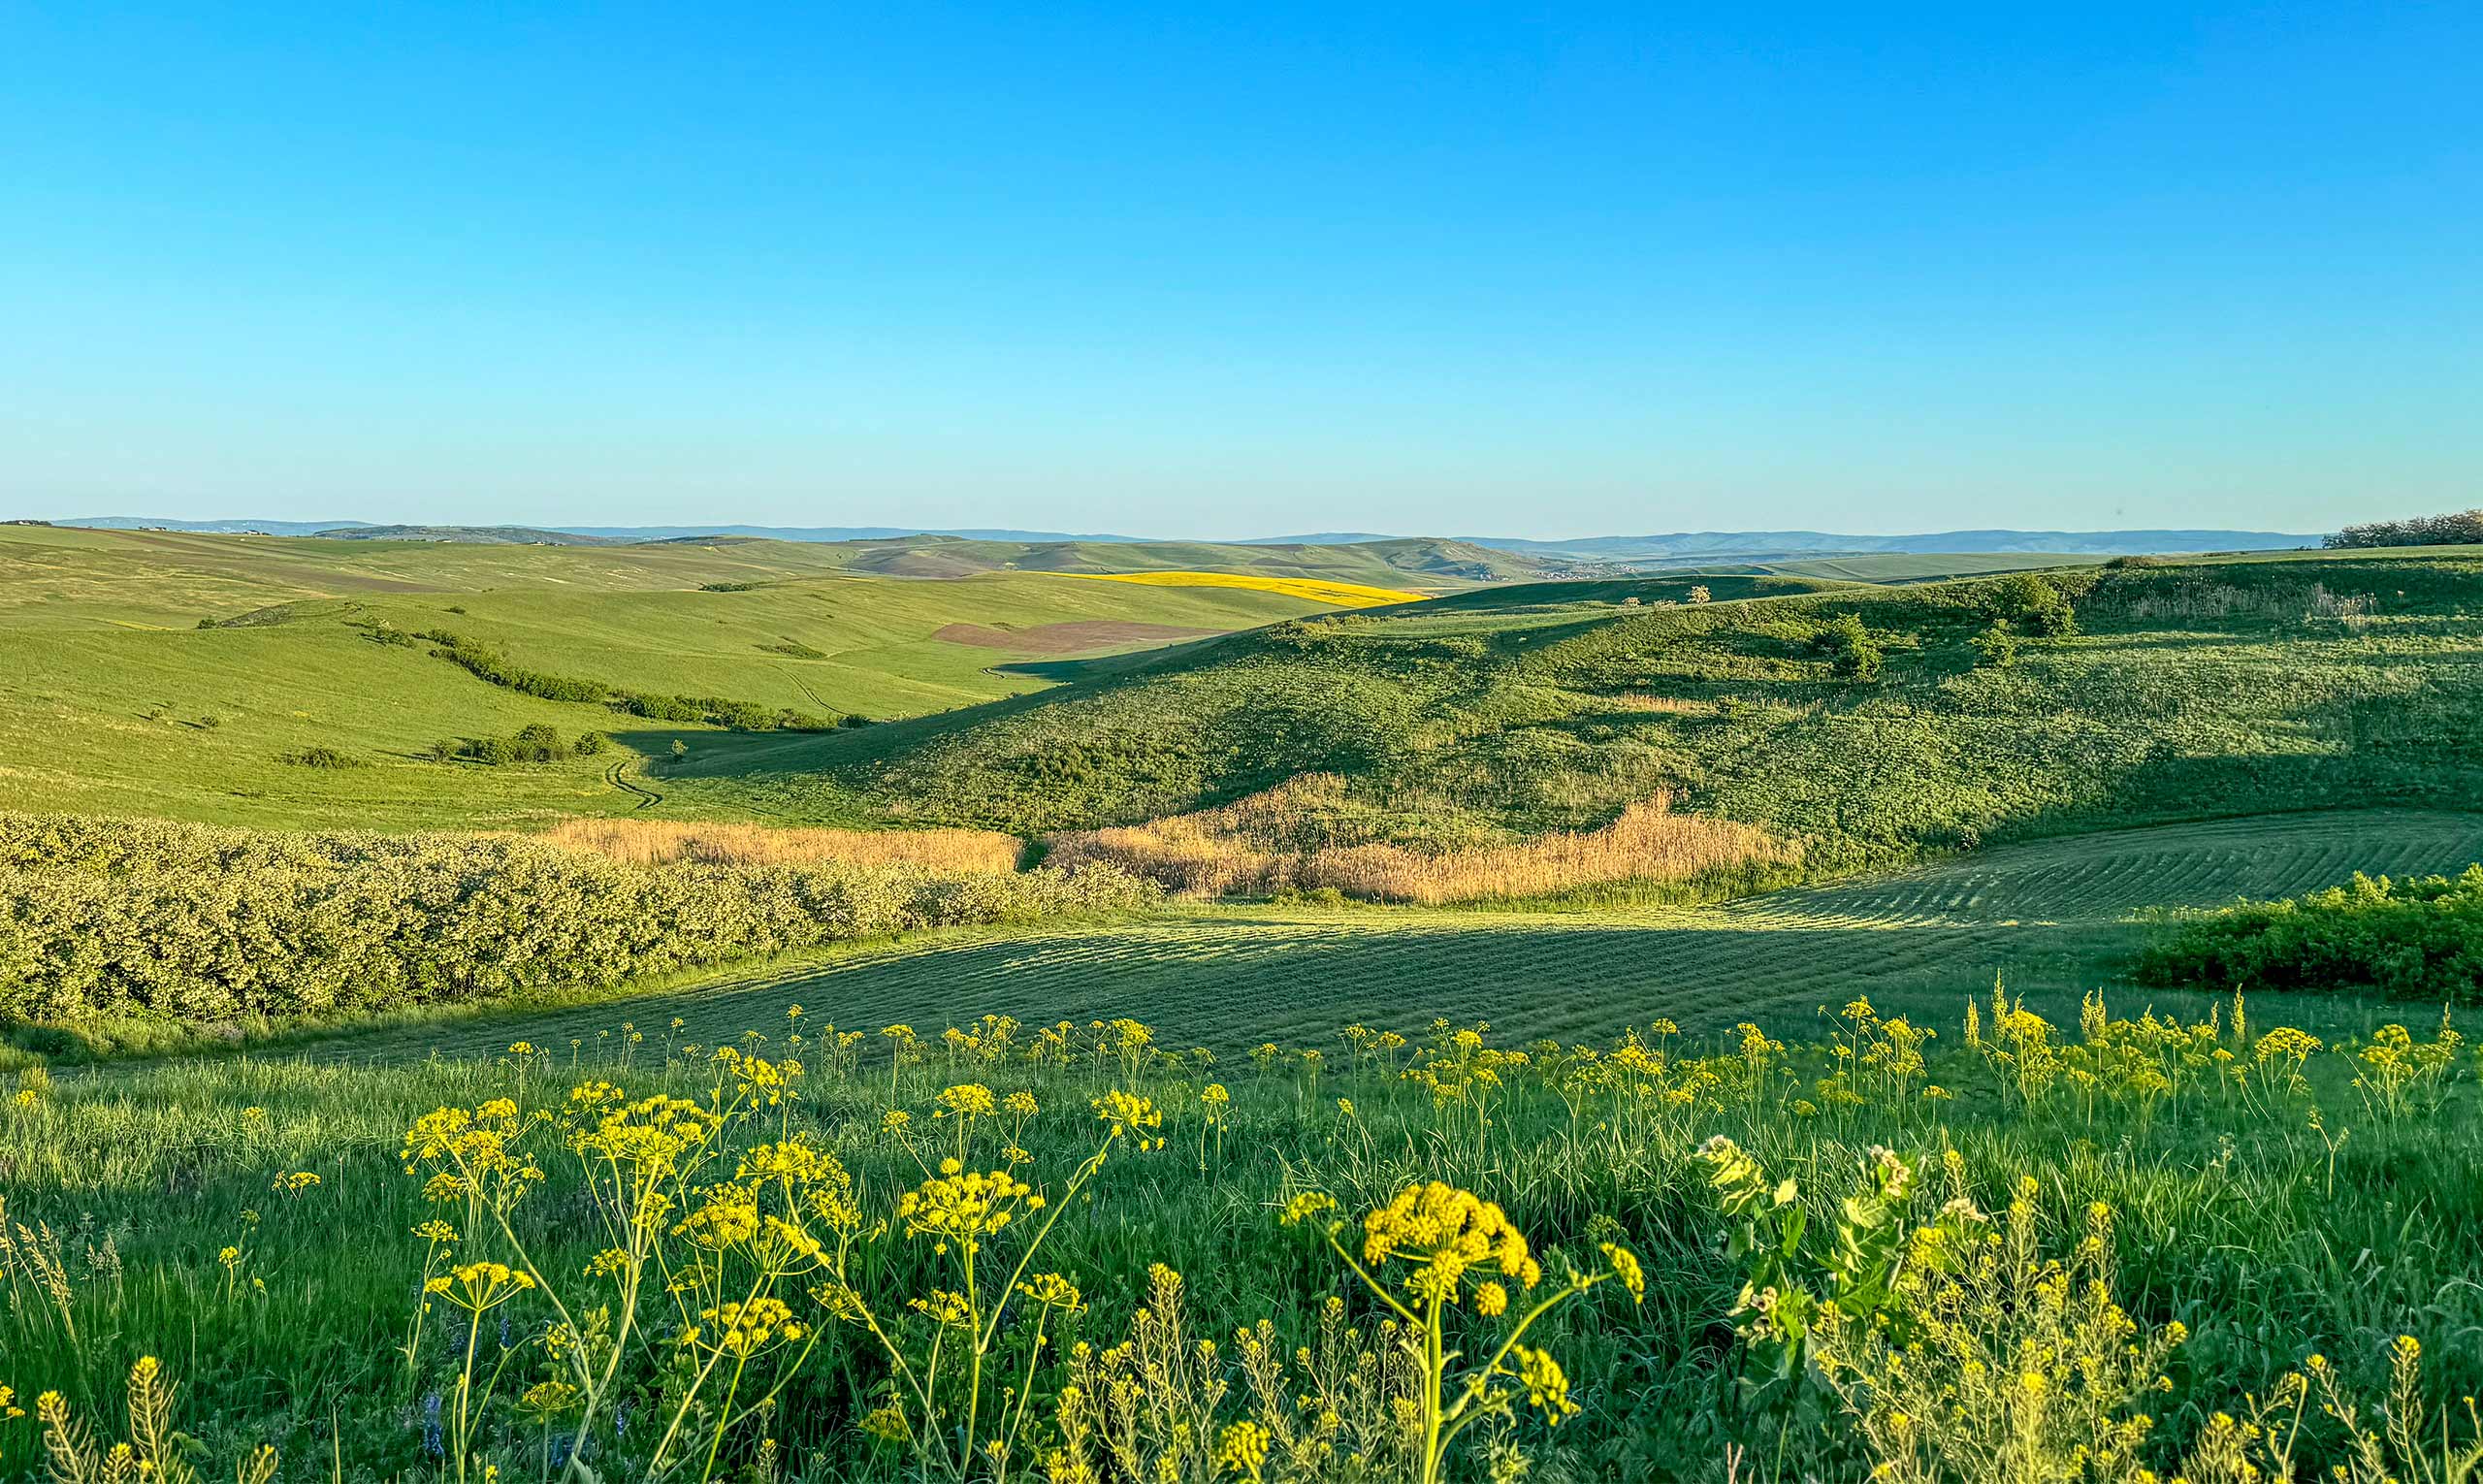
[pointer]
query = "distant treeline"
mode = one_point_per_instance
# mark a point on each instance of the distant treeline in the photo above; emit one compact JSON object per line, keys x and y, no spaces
{"x":490,"y":665}
{"x":2465,"y":528}
{"x":202,"y":924}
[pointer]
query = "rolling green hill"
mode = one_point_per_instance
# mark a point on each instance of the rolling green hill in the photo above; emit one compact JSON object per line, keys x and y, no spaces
{"x":113,"y":699}
{"x":2192,"y":689}
{"x":1417,"y":562}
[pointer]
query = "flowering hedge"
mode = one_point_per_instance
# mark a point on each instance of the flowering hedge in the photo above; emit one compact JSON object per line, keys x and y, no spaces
{"x":203,"y":923}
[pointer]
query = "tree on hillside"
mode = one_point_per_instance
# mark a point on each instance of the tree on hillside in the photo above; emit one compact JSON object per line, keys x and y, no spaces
{"x":2035,"y":606}
{"x":1849,"y":644}
{"x":2462,"y":529}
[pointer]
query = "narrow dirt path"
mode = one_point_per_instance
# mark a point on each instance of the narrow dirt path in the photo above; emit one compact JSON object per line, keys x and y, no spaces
{"x":618,"y":776}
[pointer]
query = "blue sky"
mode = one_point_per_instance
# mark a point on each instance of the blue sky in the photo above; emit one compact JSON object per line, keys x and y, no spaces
{"x":1203,"y":270}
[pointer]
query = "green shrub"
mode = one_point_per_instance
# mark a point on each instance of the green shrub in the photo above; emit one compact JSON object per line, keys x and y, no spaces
{"x":537,"y":742}
{"x":1996,"y":646}
{"x":590,"y":743}
{"x":2035,"y":606}
{"x":321,"y":757}
{"x":1850,"y":649}
{"x":2421,"y":938}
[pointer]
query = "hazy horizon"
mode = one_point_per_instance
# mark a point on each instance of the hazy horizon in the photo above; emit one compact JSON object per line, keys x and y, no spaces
{"x":1038,"y":528}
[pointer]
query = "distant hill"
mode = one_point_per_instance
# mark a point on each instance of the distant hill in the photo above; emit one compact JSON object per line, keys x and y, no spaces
{"x":1759,"y":545}
{"x":477,"y":535}
{"x":233,"y":526}
{"x":1425,"y":560}
{"x":832,"y":533}
{"x":1553,"y":557}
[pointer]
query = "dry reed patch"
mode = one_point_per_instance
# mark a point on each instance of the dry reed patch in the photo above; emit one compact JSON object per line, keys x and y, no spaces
{"x":661,"y":842}
{"x":1661,"y":705}
{"x":1221,"y":852}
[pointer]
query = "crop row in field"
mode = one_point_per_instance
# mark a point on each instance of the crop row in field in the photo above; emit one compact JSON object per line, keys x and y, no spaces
{"x":2049,"y":916}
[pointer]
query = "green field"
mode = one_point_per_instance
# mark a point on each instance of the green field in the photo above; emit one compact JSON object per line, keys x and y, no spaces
{"x":114,"y":701}
{"x":2053,"y":918}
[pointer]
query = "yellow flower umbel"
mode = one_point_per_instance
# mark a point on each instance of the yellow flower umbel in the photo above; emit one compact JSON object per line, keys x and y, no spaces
{"x":964,"y":1207}
{"x":1459,"y":1247}
{"x":960,"y":1211}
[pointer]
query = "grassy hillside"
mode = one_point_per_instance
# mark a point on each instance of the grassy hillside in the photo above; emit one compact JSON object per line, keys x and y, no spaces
{"x":2205,"y":688}
{"x":112,"y":699}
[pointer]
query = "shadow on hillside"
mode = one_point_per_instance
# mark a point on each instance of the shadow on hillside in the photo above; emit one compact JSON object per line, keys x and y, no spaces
{"x":744,"y":756}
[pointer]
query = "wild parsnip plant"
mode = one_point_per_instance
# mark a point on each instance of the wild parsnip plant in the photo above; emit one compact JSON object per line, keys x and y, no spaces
{"x":2097,"y":1247}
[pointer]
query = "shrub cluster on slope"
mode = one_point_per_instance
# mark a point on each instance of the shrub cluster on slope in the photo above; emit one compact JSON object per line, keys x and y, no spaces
{"x":2420,"y":938}
{"x":198,"y":924}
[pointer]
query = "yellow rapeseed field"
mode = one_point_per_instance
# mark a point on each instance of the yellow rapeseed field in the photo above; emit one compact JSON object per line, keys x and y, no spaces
{"x":1342,"y":594}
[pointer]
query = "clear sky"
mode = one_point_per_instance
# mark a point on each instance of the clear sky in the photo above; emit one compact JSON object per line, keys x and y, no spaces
{"x":1198,"y":269}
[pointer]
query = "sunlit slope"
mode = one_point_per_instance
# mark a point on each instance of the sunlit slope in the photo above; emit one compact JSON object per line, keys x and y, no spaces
{"x":58,"y":576}
{"x":2052,"y":917}
{"x":874,"y":645}
{"x":2220,"y":687}
{"x":114,"y":701}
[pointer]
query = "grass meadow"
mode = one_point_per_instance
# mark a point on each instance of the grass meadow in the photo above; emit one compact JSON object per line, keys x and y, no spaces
{"x":1086,"y":1252}
{"x":114,"y":701}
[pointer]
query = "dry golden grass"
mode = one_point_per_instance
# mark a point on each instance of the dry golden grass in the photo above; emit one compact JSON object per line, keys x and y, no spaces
{"x":1220,"y":853}
{"x":659,"y":842}
{"x":1667,"y":705}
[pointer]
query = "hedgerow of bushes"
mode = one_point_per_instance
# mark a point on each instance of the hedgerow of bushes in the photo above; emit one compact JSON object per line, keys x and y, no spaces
{"x":2462,"y":528}
{"x":534,"y":743}
{"x":487,"y":663}
{"x":2419,"y":938}
{"x":203,"y":924}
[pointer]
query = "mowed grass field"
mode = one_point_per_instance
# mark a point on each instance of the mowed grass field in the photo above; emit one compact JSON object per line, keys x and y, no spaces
{"x":2052,"y":918}
{"x":114,"y":701}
